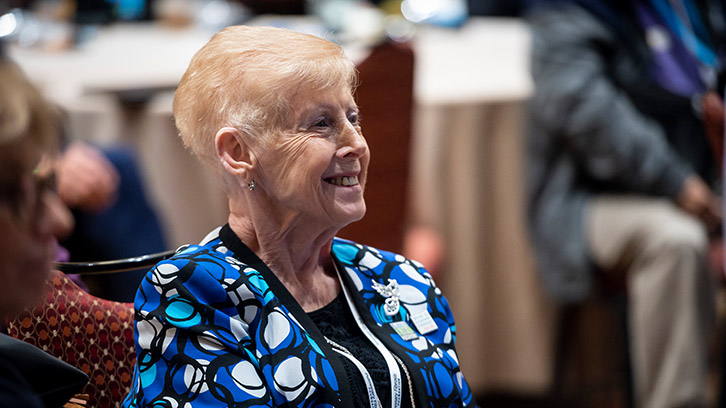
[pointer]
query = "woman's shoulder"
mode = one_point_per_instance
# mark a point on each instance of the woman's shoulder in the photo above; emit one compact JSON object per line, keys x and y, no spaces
{"x":210,"y":254}
{"x":207,"y":268}
{"x":207,"y":279}
{"x":196,"y":258}
{"x":373,"y":262}
{"x":350,"y":250}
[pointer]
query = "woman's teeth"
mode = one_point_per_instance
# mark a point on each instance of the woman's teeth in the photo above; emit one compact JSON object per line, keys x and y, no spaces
{"x":342,"y":181}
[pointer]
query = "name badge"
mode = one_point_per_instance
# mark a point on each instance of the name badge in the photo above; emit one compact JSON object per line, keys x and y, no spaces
{"x":424,"y":322}
{"x":404,"y":330}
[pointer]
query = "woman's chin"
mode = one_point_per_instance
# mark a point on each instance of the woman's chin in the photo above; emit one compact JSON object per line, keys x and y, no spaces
{"x":349,"y":214}
{"x":25,"y":285}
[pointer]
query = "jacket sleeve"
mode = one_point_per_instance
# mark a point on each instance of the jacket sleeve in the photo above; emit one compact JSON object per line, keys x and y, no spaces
{"x":192,"y":346}
{"x":577,"y":102}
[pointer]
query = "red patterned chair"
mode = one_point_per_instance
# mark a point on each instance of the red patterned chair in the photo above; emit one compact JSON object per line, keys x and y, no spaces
{"x":92,"y":334}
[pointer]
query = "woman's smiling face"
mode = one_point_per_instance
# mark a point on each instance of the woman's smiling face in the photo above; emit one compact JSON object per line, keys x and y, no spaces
{"x":317,"y":167}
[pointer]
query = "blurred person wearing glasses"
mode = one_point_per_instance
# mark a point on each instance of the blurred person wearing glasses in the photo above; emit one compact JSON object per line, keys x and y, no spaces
{"x":623,"y":169}
{"x":31,"y":218}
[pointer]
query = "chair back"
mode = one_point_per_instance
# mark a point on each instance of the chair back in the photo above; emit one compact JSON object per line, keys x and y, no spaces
{"x":93,"y":334}
{"x":385,"y":98}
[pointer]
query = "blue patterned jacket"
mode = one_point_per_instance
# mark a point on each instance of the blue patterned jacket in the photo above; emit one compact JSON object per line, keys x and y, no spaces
{"x":215,"y":327}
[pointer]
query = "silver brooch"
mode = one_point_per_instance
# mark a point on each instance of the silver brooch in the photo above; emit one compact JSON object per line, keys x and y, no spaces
{"x":391,"y":293}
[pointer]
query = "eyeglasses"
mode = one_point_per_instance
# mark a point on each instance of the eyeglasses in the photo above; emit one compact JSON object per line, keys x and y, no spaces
{"x":25,"y":195}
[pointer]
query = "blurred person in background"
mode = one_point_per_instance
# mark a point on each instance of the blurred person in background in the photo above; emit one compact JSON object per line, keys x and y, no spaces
{"x":104,"y":189}
{"x":271,"y":309}
{"x":621,"y":172}
{"x":31,"y":218}
{"x":113,"y":217}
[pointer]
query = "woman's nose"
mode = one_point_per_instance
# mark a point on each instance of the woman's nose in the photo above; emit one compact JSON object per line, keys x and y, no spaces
{"x":55,"y":218}
{"x":353,"y":143}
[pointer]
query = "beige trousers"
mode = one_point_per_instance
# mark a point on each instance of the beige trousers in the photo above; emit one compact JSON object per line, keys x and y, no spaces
{"x":671,"y":303}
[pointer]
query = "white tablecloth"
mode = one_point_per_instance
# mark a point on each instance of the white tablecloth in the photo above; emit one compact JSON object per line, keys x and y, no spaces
{"x":471,"y":89}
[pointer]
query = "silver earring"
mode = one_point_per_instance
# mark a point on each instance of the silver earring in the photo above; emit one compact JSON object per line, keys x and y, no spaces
{"x":251,"y":185}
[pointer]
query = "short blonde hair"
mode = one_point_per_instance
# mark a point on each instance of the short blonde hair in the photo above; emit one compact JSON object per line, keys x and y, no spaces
{"x":245,"y":76}
{"x":24,"y":113}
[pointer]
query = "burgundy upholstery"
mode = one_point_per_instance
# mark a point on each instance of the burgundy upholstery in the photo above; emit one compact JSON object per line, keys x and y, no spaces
{"x":92,"y":334}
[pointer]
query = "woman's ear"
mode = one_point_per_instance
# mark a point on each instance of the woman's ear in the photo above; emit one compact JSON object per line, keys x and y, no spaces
{"x":234,"y":152}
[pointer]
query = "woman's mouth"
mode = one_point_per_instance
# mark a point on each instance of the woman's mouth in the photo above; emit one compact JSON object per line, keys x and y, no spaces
{"x":346,"y":181}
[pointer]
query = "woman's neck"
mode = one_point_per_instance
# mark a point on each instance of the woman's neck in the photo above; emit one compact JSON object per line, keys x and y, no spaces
{"x":298,"y":252}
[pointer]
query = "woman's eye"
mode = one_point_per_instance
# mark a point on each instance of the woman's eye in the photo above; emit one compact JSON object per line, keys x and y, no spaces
{"x":353,"y":119}
{"x":321,"y":123}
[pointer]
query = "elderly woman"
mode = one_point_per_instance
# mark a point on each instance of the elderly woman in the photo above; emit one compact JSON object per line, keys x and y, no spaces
{"x":31,"y":217}
{"x":271,"y":309}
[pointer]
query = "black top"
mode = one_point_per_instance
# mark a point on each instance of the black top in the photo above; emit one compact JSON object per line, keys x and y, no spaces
{"x":336,"y":322}
{"x":31,"y":378}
